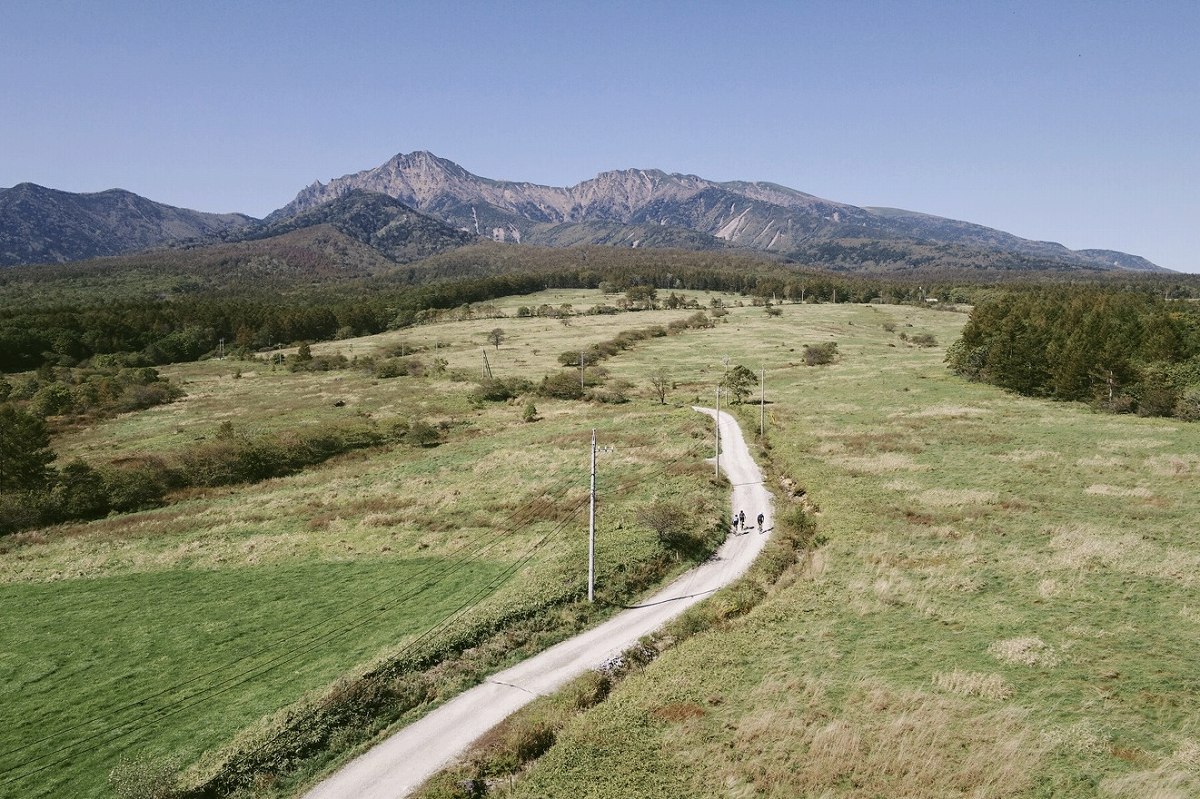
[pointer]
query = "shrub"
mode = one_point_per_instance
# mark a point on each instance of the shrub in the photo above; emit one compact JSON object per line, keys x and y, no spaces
{"x":319,"y":363}
{"x":389,"y":368}
{"x":500,"y":389}
{"x":422,"y":434}
{"x":673,"y":526}
{"x":561,"y":385}
{"x":819,"y":354}
{"x":52,"y":400}
{"x":80,"y":493}
{"x":19,"y":510}
{"x":135,"y":488}
{"x":1187,"y":407}
{"x":923,"y":340}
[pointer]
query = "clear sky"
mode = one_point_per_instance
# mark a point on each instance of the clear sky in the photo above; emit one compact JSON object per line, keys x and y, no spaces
{"x":1076,"y":122}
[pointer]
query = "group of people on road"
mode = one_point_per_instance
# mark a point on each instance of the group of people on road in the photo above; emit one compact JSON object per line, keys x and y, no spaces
{"x":739,"y":523}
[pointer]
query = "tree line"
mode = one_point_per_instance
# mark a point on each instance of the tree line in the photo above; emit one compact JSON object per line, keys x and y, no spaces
{"x":92,"y":312}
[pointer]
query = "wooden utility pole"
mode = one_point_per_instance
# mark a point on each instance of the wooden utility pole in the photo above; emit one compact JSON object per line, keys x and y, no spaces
{"x":487,"y":367}
{"x":592,"y":528}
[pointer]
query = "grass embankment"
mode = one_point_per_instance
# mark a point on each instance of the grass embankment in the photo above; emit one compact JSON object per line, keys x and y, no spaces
{"x":132,"y":634}
{"x":1005,"y":605}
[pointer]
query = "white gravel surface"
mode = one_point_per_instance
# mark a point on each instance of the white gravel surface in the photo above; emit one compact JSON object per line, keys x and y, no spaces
{"x":398,"y":765}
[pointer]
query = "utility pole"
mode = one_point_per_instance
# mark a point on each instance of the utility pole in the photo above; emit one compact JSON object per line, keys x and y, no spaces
{"x":762,"y":407}
{"x":487,"y":367}
{"x":582,"y":387}
{"x":222,"y":357}
{"x":592,"y":523}
{"x":592,"y":527}
{"x":717,"y":471}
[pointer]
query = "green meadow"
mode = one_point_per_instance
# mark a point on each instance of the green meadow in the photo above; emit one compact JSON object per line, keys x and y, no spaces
{"x":165,"y":635}
{"x":1003,"y":604}
{"x":1006,"y":602}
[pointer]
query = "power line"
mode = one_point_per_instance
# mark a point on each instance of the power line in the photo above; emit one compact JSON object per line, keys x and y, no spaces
{"x":236,"y":680}
{"x":516,"y":519}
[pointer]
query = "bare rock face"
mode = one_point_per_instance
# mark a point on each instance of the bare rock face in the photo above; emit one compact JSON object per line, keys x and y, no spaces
{"x":648,"y":207}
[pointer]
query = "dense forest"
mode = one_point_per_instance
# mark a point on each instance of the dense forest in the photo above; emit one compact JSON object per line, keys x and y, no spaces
{"x":1125,"y":351}
{"x":65,"y":315}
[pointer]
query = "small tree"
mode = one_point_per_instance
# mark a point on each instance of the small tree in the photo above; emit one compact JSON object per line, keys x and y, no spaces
{"x":672,"y":525}
{"x":496,"y":336}
{"x":641,"y":296}
{"x":25,"y":453}
{"x":660,"y":381}
{"x":530,"y":412}
{"x":740,"y":381}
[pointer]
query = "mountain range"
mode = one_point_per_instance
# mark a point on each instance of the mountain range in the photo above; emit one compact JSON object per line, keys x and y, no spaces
{"x":416,"y":204}
{"x":41,"y":225}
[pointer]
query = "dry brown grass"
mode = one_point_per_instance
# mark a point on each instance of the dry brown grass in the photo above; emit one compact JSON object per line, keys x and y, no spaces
{"x":1176,"y":776}
{"x":1174,"y":465}
{"x":973,"y":683}
{"x":1025,"y":651}
{"x":1089,"y":547}
{"x":877,"y":464}
{"x":1104,"y":490}
{"x":951,"y":412}
{"x":1101,"y":462}
{"x":1030,"y":455}
{"x":894,"y":744}
{"x":952,"y":498}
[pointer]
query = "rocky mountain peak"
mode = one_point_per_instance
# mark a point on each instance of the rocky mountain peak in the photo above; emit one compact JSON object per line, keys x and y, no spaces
{"x":755,"y":215}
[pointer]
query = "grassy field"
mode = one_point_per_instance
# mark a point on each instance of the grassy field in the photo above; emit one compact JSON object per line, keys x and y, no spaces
{"x":1006,"y":604}
{"x":165,"y":633}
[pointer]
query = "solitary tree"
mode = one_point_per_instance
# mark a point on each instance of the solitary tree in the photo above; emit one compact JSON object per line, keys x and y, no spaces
{"x":660,"y":381}
{"x":740,"y":381}
{"x":496,"y":336}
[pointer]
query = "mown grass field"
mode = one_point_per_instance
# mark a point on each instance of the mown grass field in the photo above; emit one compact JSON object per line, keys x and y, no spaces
{"x":1006,"y":604}
{"x":132,"y":635}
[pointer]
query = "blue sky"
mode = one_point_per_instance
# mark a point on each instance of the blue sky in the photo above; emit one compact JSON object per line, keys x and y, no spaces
{"x":1073,"y":122}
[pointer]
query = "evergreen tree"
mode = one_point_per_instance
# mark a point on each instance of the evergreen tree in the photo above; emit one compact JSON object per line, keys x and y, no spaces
{"x":25,"y":453}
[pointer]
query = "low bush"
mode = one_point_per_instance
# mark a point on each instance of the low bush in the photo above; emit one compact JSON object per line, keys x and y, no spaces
{"x":500,"y":389}
{"x":561,"y":385}
{"x":820,"y":354}
{"x":922,"y":340}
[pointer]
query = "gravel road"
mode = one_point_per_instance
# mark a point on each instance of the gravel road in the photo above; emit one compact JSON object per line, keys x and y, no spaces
{"x":399,"y":764}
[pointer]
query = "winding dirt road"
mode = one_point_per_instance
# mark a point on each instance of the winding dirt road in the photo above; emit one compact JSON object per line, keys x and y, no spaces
{"x":402,"y":762}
